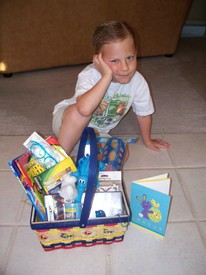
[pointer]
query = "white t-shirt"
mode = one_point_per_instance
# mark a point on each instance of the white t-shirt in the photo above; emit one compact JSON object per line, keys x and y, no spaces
{"x":117,"y":100}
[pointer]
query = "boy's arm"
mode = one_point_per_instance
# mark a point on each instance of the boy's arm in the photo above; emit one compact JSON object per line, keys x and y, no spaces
{"x":89,"y":101}
{"x":145,"y":123}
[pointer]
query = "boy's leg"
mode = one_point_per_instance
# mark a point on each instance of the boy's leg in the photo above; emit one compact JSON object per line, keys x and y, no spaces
{"x":73,"y":124}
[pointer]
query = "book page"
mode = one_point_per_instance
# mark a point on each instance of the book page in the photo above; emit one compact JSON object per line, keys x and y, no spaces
{"x":159,"y":183}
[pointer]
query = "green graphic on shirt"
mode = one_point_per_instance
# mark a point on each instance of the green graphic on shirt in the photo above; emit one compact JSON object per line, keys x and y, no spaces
{"x":110,"y":111}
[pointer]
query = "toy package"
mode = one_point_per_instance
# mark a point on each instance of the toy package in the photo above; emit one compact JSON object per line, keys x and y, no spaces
{"x":57,"y":209}
{"x":42,"y":151}
{"x":51,"y":179}
{"x":42,"y":154}
{"x":32,"y":190}
{"x":109,"y":181}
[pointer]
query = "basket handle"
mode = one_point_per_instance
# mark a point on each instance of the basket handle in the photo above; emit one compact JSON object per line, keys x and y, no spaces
{"x":92,"y":177}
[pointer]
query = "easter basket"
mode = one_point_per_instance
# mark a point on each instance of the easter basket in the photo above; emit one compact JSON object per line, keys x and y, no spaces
{"x":86,"y":230}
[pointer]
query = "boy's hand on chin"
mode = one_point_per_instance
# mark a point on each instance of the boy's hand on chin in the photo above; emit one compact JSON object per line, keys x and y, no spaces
{"x":102,"y":67}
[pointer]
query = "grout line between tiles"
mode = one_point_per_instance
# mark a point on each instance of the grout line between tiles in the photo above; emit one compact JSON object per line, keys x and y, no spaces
{"x":5,"y":170}
{"x":184,"y":221}
{"x":18,"y":225}
{"x":10,"y":248}
{"x":191,"y":207}
{"x":186,"y":193}
{"x":109,"y":261}
{"x":7,"y":255}
{"x":165,"y":167}
{"x":202,"y":235}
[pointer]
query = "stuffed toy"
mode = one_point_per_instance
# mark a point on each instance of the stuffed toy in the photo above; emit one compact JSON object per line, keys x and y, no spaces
{"x":82,"y":176}
{"x":68,"y":189}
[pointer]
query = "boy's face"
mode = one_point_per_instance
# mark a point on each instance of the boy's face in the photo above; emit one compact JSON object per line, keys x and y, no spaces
{"x":120,"y":56}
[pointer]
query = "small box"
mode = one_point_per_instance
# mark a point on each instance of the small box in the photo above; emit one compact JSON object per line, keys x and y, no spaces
{"x":109,"y":181}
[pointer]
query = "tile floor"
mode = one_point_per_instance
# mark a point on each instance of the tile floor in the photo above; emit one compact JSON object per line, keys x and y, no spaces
{"x":183,"y":251}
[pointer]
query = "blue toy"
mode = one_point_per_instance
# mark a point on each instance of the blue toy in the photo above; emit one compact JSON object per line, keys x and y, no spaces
{"x":82,"y":176}
{"x":113,"y":153}
{"x":100,"y":214}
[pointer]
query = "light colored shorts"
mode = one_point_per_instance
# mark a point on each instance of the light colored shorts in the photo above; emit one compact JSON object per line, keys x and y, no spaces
{"x":57,"y":120}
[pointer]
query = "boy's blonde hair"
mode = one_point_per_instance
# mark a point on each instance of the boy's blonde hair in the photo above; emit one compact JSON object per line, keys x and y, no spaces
{"x":110,"y":32}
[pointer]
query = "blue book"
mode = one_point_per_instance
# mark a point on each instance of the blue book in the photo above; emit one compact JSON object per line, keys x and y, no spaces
{"x":150,"y":203}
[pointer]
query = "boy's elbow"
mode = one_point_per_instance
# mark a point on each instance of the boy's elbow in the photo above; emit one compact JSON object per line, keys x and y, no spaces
{"x":83,"y":107}
{"x":84,"y":111}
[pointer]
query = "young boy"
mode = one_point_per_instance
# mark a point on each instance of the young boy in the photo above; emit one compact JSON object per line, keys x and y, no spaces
{"x":106,"y":89}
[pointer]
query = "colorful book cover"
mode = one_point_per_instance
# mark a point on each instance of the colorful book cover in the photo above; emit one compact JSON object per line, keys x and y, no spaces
{"x":150,"y":203}
{"x":32,"y":191}
{"x":26,"y":168}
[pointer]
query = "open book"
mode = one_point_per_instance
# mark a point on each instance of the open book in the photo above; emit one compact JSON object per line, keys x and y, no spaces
{"x":150,"y":203}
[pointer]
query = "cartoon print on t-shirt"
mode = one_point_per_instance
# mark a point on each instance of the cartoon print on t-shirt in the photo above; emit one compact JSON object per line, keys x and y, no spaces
{"x":110,"y":110}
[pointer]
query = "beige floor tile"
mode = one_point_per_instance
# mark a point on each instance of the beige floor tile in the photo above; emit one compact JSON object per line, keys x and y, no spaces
{"x":181,"y":252}
{"x":28,"y":257}
{"x":187,"y":150}
{"x":203,"y":227}
{"x":142,"y":157}
{"x":194,"y":182}
{"x":5,"y":236}
{"x":25,"y":213}
{"x":11,"y":196}
{"x":10,"y":148}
